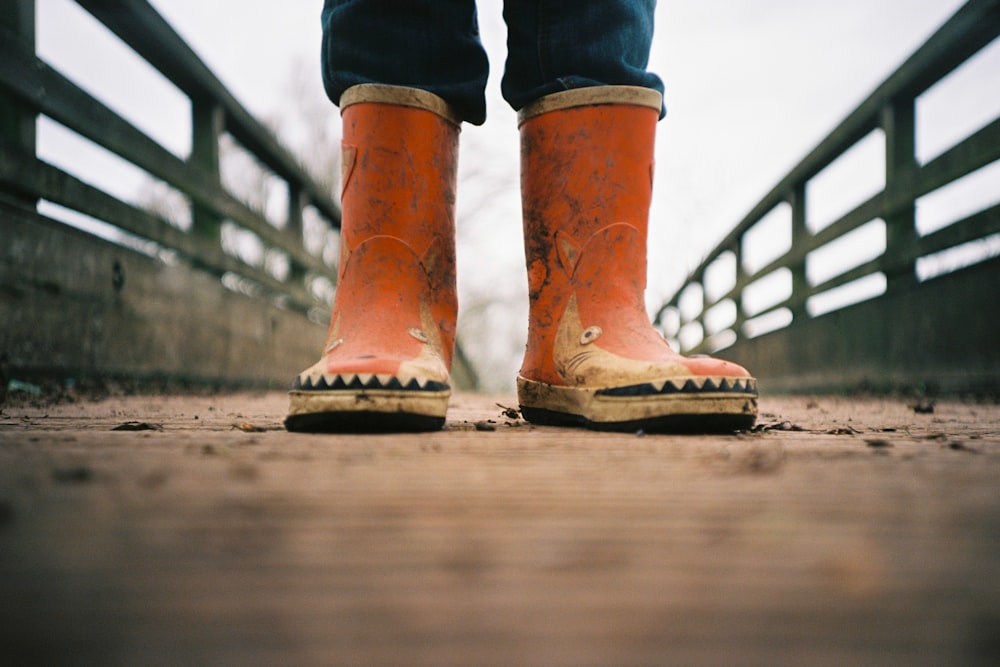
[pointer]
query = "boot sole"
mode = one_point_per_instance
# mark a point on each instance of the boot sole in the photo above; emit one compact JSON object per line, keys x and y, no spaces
{"x":367,"y":411}
{"x":679,"y":405}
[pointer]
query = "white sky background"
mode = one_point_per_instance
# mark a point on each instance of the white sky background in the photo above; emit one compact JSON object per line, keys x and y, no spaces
{"x":752,"y":85}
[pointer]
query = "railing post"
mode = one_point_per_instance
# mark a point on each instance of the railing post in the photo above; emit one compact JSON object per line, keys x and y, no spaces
{"x":800,"y":234}
{"x":705,"y":305}
{"x":741,"y":276}
{"x":899,"y":125}
{"x":17,"y":121}
{"x":207,"y":125}
{"x":297,"y":201}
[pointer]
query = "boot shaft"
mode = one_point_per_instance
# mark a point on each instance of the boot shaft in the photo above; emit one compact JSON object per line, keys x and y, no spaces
{"x":399,"y":170}
{"x":398,"y":173}
{"x":587,"y":161}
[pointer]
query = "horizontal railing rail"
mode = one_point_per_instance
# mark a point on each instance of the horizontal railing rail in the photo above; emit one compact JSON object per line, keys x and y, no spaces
{"x":150,"y":36}
{"x":891,"y":110}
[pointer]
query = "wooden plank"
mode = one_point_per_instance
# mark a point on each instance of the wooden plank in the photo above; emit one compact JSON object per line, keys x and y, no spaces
{"x":845,"y":532}
{"x":974,"y":152}
{"x":73,"y":305}
{"x":974,"y":227}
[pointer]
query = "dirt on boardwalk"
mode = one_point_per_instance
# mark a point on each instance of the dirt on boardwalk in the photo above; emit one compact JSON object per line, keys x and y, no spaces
{"x":195,"y":530}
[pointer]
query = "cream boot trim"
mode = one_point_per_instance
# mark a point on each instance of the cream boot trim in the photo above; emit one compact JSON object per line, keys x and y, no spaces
{"x":591,"y":96}
{"x":400,"y":96}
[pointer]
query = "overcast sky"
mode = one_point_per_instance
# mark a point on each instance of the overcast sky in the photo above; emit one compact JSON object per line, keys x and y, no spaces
{"x":752,"y":85}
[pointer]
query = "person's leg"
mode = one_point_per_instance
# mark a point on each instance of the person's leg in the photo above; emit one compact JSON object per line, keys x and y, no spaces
{"x":428,"y":44}
{"x":593,"y":358}
{"x":555,"y":45}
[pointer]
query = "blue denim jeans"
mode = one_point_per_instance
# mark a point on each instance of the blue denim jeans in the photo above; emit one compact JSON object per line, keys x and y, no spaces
{"x":552,"y":45}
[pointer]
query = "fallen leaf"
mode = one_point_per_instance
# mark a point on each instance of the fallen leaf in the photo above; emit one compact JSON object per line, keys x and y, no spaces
{"x":247,"y":427}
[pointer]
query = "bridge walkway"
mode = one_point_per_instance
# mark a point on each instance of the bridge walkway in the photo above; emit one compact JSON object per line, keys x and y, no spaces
{"x":195,"y":530}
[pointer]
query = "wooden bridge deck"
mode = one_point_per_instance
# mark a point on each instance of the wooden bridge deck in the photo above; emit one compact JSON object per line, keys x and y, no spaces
{"x":845,"y":531}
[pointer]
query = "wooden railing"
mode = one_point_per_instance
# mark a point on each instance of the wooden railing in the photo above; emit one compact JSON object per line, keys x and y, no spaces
{"x":37,"y":88}
{"x":802,"y":349}
{"x":201,"y":330}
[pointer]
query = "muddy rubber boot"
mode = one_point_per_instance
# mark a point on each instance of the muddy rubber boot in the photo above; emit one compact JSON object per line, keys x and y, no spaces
{"x":386,"y":362}
{"x":593,"y":358}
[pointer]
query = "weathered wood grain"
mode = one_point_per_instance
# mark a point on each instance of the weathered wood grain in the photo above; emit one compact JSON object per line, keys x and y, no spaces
{"x":842,"y":532}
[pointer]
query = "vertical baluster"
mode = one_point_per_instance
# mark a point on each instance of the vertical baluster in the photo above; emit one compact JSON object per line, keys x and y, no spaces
{"x":800,"y":238}
{"x":297,"y":201}
{"x":899,"y":125}
{"x":703,"y":279}
{"x":741,"y":275}
{"x":17,"y":121}
{"x":207,"y":125}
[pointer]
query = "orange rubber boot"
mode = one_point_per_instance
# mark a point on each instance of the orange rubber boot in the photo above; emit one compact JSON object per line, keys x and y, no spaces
{"x":386,"y":363}
{"x":593,"y":358}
